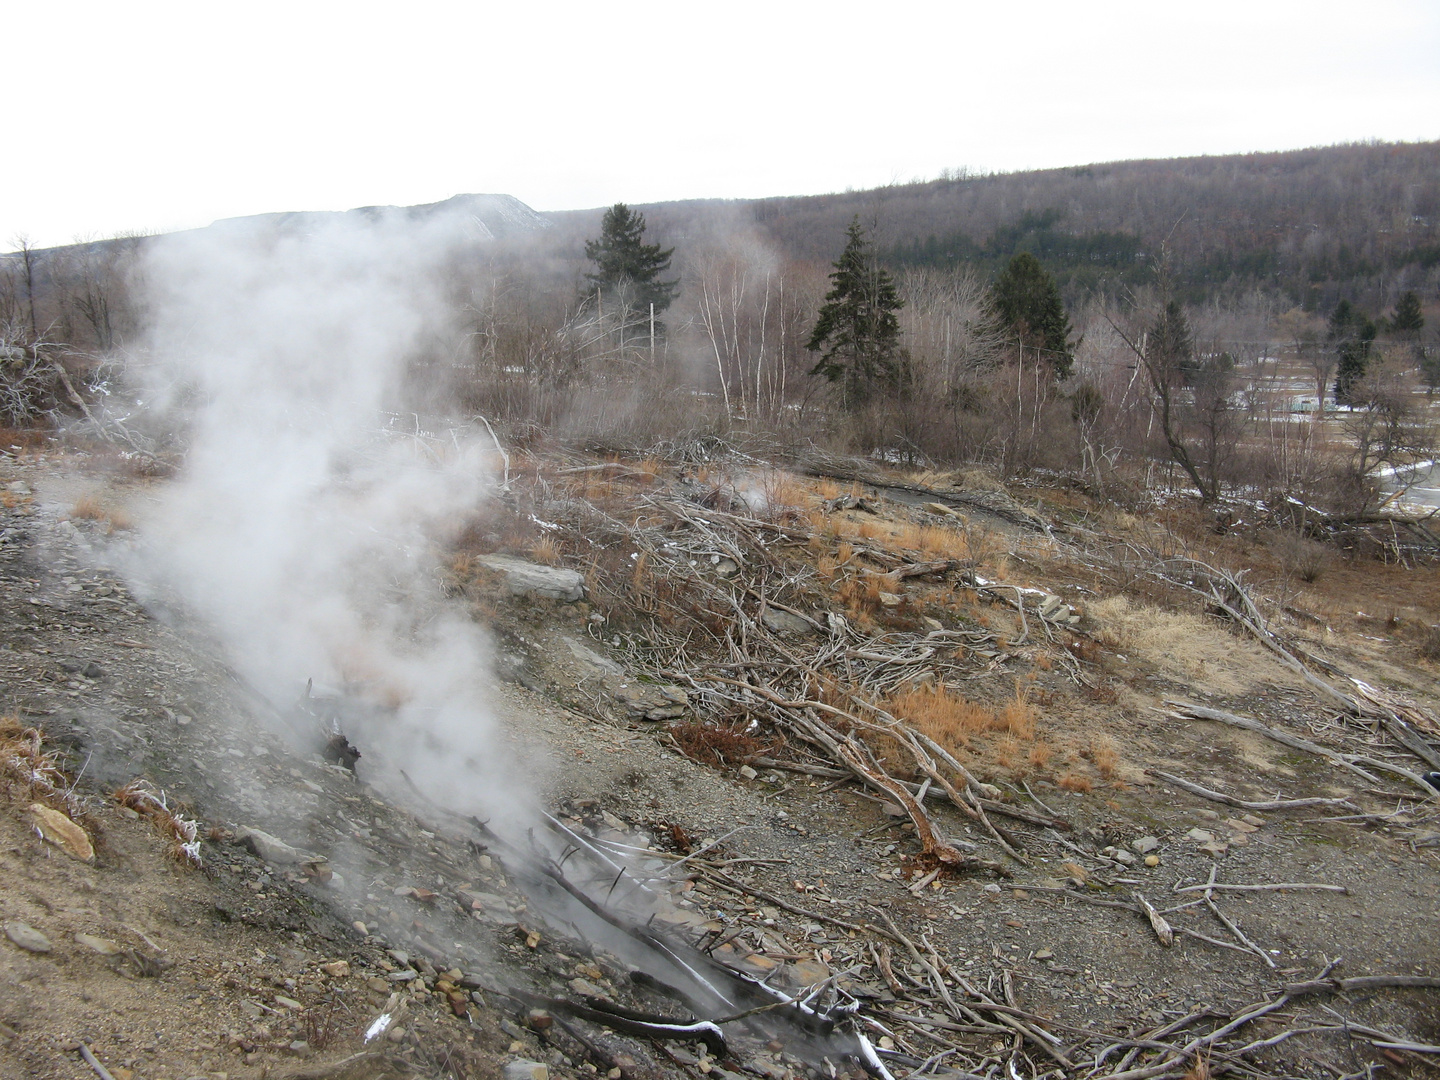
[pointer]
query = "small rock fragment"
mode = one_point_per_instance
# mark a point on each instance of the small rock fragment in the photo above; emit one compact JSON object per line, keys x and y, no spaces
{"x":1200,"y":836}
{"x":27,"y":937}
{"x":784,"y":622}
{"x":748,"y":772}
{"x":103,"y":946}
{"x":1152,"y":860}
{"x":525,"y":1069}
{"x":336,"y":969}
{"x":288,"y":1003}
{"x":1145,"y":845}
{"x":272,"y":849}
{"x":62,"y":832}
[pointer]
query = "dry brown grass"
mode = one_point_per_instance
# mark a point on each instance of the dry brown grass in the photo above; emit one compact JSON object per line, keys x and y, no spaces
{"x":714,"y":744}
{"x":27,"y":765}
{"x":546,"y":552}
{"x":178,"y":828}
{"x":1075,"y":782}
{"x":1018,"y":715}
{"x":1104,"y":755}
{"x":1009,"y":754}
{"x":944,"y":542}
{"x":861,"y":597}
{"x":89,"y":508}
{"x":946,"y":717}
{"x":784,"y":492}
{"x":1184,"y":646}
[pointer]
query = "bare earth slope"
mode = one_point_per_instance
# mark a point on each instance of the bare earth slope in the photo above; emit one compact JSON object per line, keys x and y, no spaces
{"x":763,"y":852}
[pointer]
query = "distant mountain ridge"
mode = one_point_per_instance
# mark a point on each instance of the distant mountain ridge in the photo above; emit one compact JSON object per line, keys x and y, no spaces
{"x":485,"y":217}
{"x":482,"y":217}
{"x":1359,"y":219}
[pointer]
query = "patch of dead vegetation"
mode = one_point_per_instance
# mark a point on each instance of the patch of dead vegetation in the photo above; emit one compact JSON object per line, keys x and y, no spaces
{"x":1184,"y":647}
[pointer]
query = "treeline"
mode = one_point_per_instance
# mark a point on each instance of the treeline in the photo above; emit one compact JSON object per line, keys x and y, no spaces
{"x":1145,"y":374}
{"x":1313,"y":226}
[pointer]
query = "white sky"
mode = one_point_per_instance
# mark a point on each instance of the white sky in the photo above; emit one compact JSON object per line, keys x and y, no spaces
{"x":156,"y":115}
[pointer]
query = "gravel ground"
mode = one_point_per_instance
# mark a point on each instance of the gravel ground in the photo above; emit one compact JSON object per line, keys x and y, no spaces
{"x":133,"y":691}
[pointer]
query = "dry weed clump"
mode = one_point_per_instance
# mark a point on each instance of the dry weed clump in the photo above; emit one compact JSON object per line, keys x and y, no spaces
{"x":182,"y":831}
{"x":1181,"y":645}
{"x":715,"y":744}
{"x":1301,"y":557}
{"x":1018,"y":715}
{"x":89,"y":508}
{"x":13,"y":438}
{"x":1075,"y":782}
{"x":1009,"y":754}
{"x":546,"y":552}
{"x":1104,"y":755}
{"x":26,"y":762}
{"x":949,"y":719}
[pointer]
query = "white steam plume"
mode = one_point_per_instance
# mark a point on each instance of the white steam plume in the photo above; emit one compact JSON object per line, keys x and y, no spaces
{"x":305,"y":530}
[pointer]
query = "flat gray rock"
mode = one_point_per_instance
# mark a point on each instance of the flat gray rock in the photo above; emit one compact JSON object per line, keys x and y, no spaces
{"x":272,"y":849}
{"x":783,"y":622}
{"x":531,"y":579}
{"x":27,"y":937}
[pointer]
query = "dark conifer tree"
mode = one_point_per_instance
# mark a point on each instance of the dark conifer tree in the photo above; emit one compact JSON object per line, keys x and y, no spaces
{"x":857,"y":333}
{"x":1025,"y":303}
{"x":1350,"y":334}
{"x":1407,"y":320}
{"x":1169,"y":344}
{"x":628,"y":270}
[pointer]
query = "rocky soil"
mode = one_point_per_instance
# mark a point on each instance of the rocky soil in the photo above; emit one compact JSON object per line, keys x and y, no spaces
{"x":322,"y":903}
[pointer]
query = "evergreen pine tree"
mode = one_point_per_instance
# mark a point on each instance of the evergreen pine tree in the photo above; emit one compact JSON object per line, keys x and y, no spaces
{"x":1169,"y":344}
{"x":627,"y":270}
{"x":1407,"y":320}
{"x":857,"y":333}
{"x":1350,"y":334}
{"x":1025,"y":302}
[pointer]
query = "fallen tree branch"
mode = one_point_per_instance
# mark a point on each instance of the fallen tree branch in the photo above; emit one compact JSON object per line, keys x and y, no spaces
{"x":1262,"y":888}
{"x":1244,"y":804}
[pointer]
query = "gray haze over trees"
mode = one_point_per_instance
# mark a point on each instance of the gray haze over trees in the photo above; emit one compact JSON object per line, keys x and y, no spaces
{"x":1014,"y":322}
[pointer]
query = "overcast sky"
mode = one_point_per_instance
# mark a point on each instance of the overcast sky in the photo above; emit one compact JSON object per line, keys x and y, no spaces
{"x":155,"y":115}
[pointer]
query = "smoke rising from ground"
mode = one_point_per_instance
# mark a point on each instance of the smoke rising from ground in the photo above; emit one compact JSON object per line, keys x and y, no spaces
{"x":308,"y":524}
